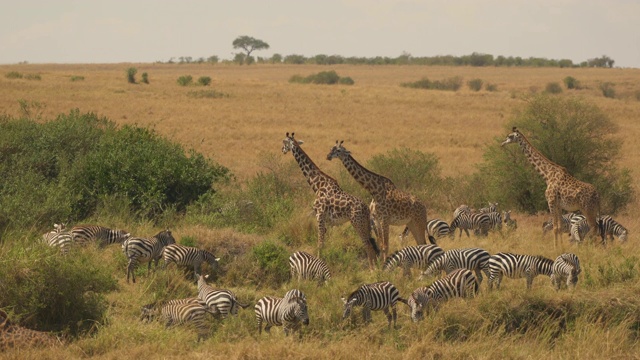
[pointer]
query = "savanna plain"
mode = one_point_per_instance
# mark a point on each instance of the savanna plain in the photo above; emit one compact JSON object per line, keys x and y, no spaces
{"x":243,"y":130}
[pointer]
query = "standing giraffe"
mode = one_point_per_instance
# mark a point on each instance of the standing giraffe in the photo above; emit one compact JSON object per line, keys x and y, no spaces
{"x":332,"y":206}
{"x":563,"y":190}
{"x":390,"y":205}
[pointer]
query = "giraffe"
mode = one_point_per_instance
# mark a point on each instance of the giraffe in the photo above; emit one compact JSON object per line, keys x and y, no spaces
{"x":390,"y":205}
{"x":564,"y":192}
{"x":14,"y":336}
{"x":332,"y":205}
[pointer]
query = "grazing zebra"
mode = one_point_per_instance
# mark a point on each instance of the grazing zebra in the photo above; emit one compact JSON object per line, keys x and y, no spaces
{"x":474,"y":259}
{"x":288,"y":312}
{"x":180,"y":312}
{"x":188,"y":256}
{"x":83,"y":234}
{"x":221,"y":302}
{"x":495,"y":220}
{"x":58,"y":237}
{"x":471,"y":221}
{"x":493,"y":207}
{"x":308,"y":267}
{"x":566,"y":224}
{"x":377,"y":296}
{"x":459,"y":283}
{"x":511,"y":224}
{"x":419,"y":256}
{"x":436,"y":229}
{"x":566,"y":267}
{"x":608,"y":229}
{"x":145,"y":250}
{"x":517,"y":266}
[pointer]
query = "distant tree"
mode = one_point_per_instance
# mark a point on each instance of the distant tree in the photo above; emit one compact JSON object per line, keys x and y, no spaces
{"x":249,"y":44}
{"x":603,"y":61}
{"x":276,"y":59}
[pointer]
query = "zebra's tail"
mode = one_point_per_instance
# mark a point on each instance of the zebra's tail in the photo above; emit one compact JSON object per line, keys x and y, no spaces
{"x":244,"y":306}
{"x":432,"y":240}
{"x":404,"y":301}
{"x":376,"y":249}
{"x":601,"y":230}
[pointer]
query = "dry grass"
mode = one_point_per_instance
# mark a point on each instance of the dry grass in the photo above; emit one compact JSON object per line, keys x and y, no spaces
{"x":373,"y":116}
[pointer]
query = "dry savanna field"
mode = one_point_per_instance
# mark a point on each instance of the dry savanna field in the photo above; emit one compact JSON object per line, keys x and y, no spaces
{"x":245,"y":127}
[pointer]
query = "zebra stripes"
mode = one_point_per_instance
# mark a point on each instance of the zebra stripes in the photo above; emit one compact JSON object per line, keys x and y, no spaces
{"x":608,"y":228}
{"x":188,"y":256}
{"x":377,"y":296}
{"x":84,"y":234}
{"x":177,"y":313}
{"x":221,"y":302}
{"x":517,"y":266}
{"x":511,"y":224}
{"x":566,"y":224}
{"x":471,"y":221}
{"x":58,"y":237}
{"x":474,"y":259}
{"x":493,"y":207}
{"x":145,"y":250}
{"x":289,"y":312}
{"x":308,"y":267}
{"x":495,"y":220}
{"x":459,"y":283}
{"x":566,"y":268}
{"x":419,"y":256}
{"x":436,"y":229}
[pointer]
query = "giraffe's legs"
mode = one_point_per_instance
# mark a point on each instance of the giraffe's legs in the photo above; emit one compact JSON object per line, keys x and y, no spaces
{"x":384,"y":230}
{"x":363,"y":228}
{"x":418,"y":231}
{"x":322,"y":230}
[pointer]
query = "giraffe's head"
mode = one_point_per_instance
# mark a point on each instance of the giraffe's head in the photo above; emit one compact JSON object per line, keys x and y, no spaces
{"x":289,"y":142}
{"x":514,"y":137}
{"x":338,"y":151}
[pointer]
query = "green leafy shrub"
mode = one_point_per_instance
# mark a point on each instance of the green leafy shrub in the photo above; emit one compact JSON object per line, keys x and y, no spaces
{"x":475,"y":84}
{"x":211,"y":94}
{"x":185,"y":80}
{"x":571,"y":83}
{"x":273,"y":263}
{"x":145,"y":78}
{"x":451,"y":84}
{"x":131,"y":75}
{"x":323,"y":77}
{"x":13,"y":75}
{"x":54,"y":292}
{"x":33,"y":77}
{"x":491,"y":87}
{"x":608,"y":90}
{"x":77,"y":78}
{"x":553,"y":88}
{"x":346,"y":81}
{"x":204,"y":80}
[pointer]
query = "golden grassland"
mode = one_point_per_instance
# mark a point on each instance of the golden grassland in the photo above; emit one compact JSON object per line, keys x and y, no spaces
{"x":373,"y":116}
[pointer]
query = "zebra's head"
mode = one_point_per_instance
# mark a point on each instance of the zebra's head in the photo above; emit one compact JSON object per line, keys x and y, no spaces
{"x":289,"y":142}
{"x":301,"y":312}
{"x":623,"y":236}
{"x":514,"y":137}
{"x":148,"y":312}
{"x":59,"y":227}
{"x":338,"y":151}
{"x":417,"y":307}
{"x":348,"y":306}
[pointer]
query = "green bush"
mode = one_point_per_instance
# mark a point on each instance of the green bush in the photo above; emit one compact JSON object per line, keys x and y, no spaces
{"x":553,"y":88}
{"x":33,"y":77}
{"x":475,"y":84}
{"x":323,"y":77}
{"x":571,"y":83}
{"x":608,"y":90}
{"x":204,"y":80}
{"x":53,"y":292}
{"x":131,"y":75}
{"x":185,"y":80}
{"x":346,"y":81}
{"x":211,"y":94}
{"x":491,"y":87}
{"x":145,"y":78}
{"x":77,"y":78}
{"x":571,"y":132}
{"x":13,"y":75}
{"x":273,"y":263}
{"x":451,"y":84}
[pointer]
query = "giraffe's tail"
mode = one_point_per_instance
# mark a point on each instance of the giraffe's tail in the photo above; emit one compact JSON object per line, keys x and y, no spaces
{"x":375,"y":247}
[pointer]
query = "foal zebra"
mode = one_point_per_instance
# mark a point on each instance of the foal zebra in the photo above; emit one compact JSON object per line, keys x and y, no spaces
{"x":459,"y":283}
{"x":517,"y":266}
{"x":288,"y":312}
{"x":566,"y":224}
{"x":480,"y":223}
{"x":308,"y":267}
{"x":511,"y":224}
{"x":83,"y":234}
{"x":145,"y":250}
{"x":419,"y":256}
{"x":377,"y":296}
{"x":474,"y":259}
{"x":566,"y":268}
{"x":221,"y":302}
{"x":58,"y":237}
{"x":180,"y":312}
{"x":188,"y":256}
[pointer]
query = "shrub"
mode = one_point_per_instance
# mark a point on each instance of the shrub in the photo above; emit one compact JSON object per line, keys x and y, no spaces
{"x":145,"y":78}
{"x":571,"y":83}
{"x":211,"y":94}
{"x":323,"y":77}
{"x":273,"y":263}
{"x":608,"y":90}
{"x":131,"y":75}
{"x":13,"y":75}
{"x":33,"y":77}
{"x":451,"y":84}
{"x":491,"y":87}
{"x":553,"y":88}
{"x":475,"y":84}
{"x":77,"y":78}
{"x":185,"y":80}
{"x":346,"y":81}
{"x":204,"y":80}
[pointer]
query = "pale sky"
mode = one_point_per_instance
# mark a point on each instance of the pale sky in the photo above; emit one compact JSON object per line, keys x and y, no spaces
{"x":115,"y":31}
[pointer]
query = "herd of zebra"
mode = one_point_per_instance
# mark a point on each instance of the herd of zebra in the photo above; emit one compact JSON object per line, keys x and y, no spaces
{"x":464,"y":270}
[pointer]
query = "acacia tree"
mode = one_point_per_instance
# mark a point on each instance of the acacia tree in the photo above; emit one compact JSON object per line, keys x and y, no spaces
{"x":249,"y":44}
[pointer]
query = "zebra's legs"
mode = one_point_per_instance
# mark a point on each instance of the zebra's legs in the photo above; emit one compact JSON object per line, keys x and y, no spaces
{"x":389,"y":317}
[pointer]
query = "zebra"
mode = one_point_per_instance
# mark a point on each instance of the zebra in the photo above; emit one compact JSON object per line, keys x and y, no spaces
{"x":459,"y":283}
{"x":474,"y":259}
{"x":566,"y":224}
{"x":511,"y":224}
{"x":178,"y":312}
{"x":436,"y":229}
{"x":221,"y":302}
{"x":83,"y":234}
{"x":289,"y":313}
{"x":419,"y":256}
{"x":493,"y":207}
{"x":608,"y":229}
{"x":517,"y":266}
{"x":188,"y":256}
{"x":495,"y":220}
{"x":59,"y":237}
{"x":377,"y":296}
{"x":471,"y":221}
{"x":145,"y":250}
{"x":308,"y":267}
{"x":566,"y":267}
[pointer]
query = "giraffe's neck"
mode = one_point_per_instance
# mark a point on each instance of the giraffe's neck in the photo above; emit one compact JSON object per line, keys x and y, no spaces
{"x":374,"y":183}
{"x":315,"y":177}
{"x":541,"y":163}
